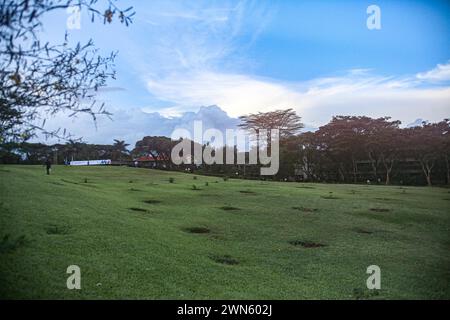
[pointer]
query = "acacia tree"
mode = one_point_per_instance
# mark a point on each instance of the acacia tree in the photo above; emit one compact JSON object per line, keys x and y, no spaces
{"x":391,"y":142}
{"x":342,"y":139}
{"x":378,"y":144}
{"x":424,"y":144}
{"x":286,"y":121}
{"x":41,"y":79}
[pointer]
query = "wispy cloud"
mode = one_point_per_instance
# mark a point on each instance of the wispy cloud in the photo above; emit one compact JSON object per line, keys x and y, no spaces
{"x":199,"y":35}
{"x":440,"y":73}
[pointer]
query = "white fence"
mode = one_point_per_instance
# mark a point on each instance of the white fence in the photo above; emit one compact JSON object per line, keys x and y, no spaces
{"x":90,"y":162}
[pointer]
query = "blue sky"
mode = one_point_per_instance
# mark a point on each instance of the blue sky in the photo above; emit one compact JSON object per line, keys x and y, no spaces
{"x":317,"y":57}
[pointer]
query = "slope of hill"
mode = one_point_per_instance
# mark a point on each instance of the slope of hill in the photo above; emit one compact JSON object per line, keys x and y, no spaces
{"x":136,"y":234}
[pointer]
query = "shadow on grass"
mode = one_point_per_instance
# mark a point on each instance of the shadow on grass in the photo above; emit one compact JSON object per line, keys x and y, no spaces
{"x":8,"y":245}
{"x":198,"y":230}
{"x":225,"y":259}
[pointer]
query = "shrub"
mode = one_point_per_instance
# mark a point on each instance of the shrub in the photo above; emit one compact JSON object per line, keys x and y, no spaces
{"x":171,"y":180}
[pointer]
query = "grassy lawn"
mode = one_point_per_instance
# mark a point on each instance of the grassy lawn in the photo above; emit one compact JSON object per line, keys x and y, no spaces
{"x":136,"y":235}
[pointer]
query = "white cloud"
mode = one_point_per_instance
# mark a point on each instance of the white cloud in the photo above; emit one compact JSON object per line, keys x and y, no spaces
{"x":316,"y":100}
{"x":197,"y":57}
{"x":438,"y":74}
{"x":195,"y":64}
{"x":133,"y":124}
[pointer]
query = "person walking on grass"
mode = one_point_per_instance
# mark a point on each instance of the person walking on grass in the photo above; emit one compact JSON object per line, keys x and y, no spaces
{"x":48,"y":165}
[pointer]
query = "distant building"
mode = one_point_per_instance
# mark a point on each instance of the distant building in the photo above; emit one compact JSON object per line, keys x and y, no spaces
{"x":150,"y":161}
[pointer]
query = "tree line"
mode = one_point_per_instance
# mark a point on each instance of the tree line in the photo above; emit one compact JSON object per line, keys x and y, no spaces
{"x":348,"y":149}
{"x":38,"y":153}
{"x":357,"y":149}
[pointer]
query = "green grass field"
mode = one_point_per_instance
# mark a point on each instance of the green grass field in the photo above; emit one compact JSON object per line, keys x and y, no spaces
{"x":234,"y":239}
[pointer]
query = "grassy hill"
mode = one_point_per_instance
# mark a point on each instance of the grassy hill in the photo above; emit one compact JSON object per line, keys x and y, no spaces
{"x":134,"y":234}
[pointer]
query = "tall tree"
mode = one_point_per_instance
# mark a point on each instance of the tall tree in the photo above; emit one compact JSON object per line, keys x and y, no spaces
{"x":343,"y":140}
{"x":119,"y":149}
{"x":424,"y":144}
{"x":158,"y":147}
{"x":286,"y":121}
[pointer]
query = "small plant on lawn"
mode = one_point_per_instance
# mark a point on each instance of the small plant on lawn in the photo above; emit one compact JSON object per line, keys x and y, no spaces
{"x":171,"y":180}
{"x":194,"y":177}
{"x":225,"y":178}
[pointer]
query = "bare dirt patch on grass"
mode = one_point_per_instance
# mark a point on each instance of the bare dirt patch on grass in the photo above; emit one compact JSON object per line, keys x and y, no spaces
{"x":152,"y":201}
{"x":379,"y":209}
{"x":363,"y":231}
{"x":229,"y":208}
{"x":304,"y":209}
{"x":225,"y":259}
{"x":138,"y":209}
{"x":197,"y":230}
{"x":306,"y":244}
{"x":329,"y":197}
{"x":247,"y":192}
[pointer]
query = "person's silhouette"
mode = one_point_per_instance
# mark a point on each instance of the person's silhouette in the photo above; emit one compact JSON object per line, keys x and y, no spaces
{"x":48,"y":165}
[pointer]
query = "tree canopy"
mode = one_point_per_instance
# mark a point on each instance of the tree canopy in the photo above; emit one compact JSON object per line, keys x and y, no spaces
{"x":40,"y":79}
